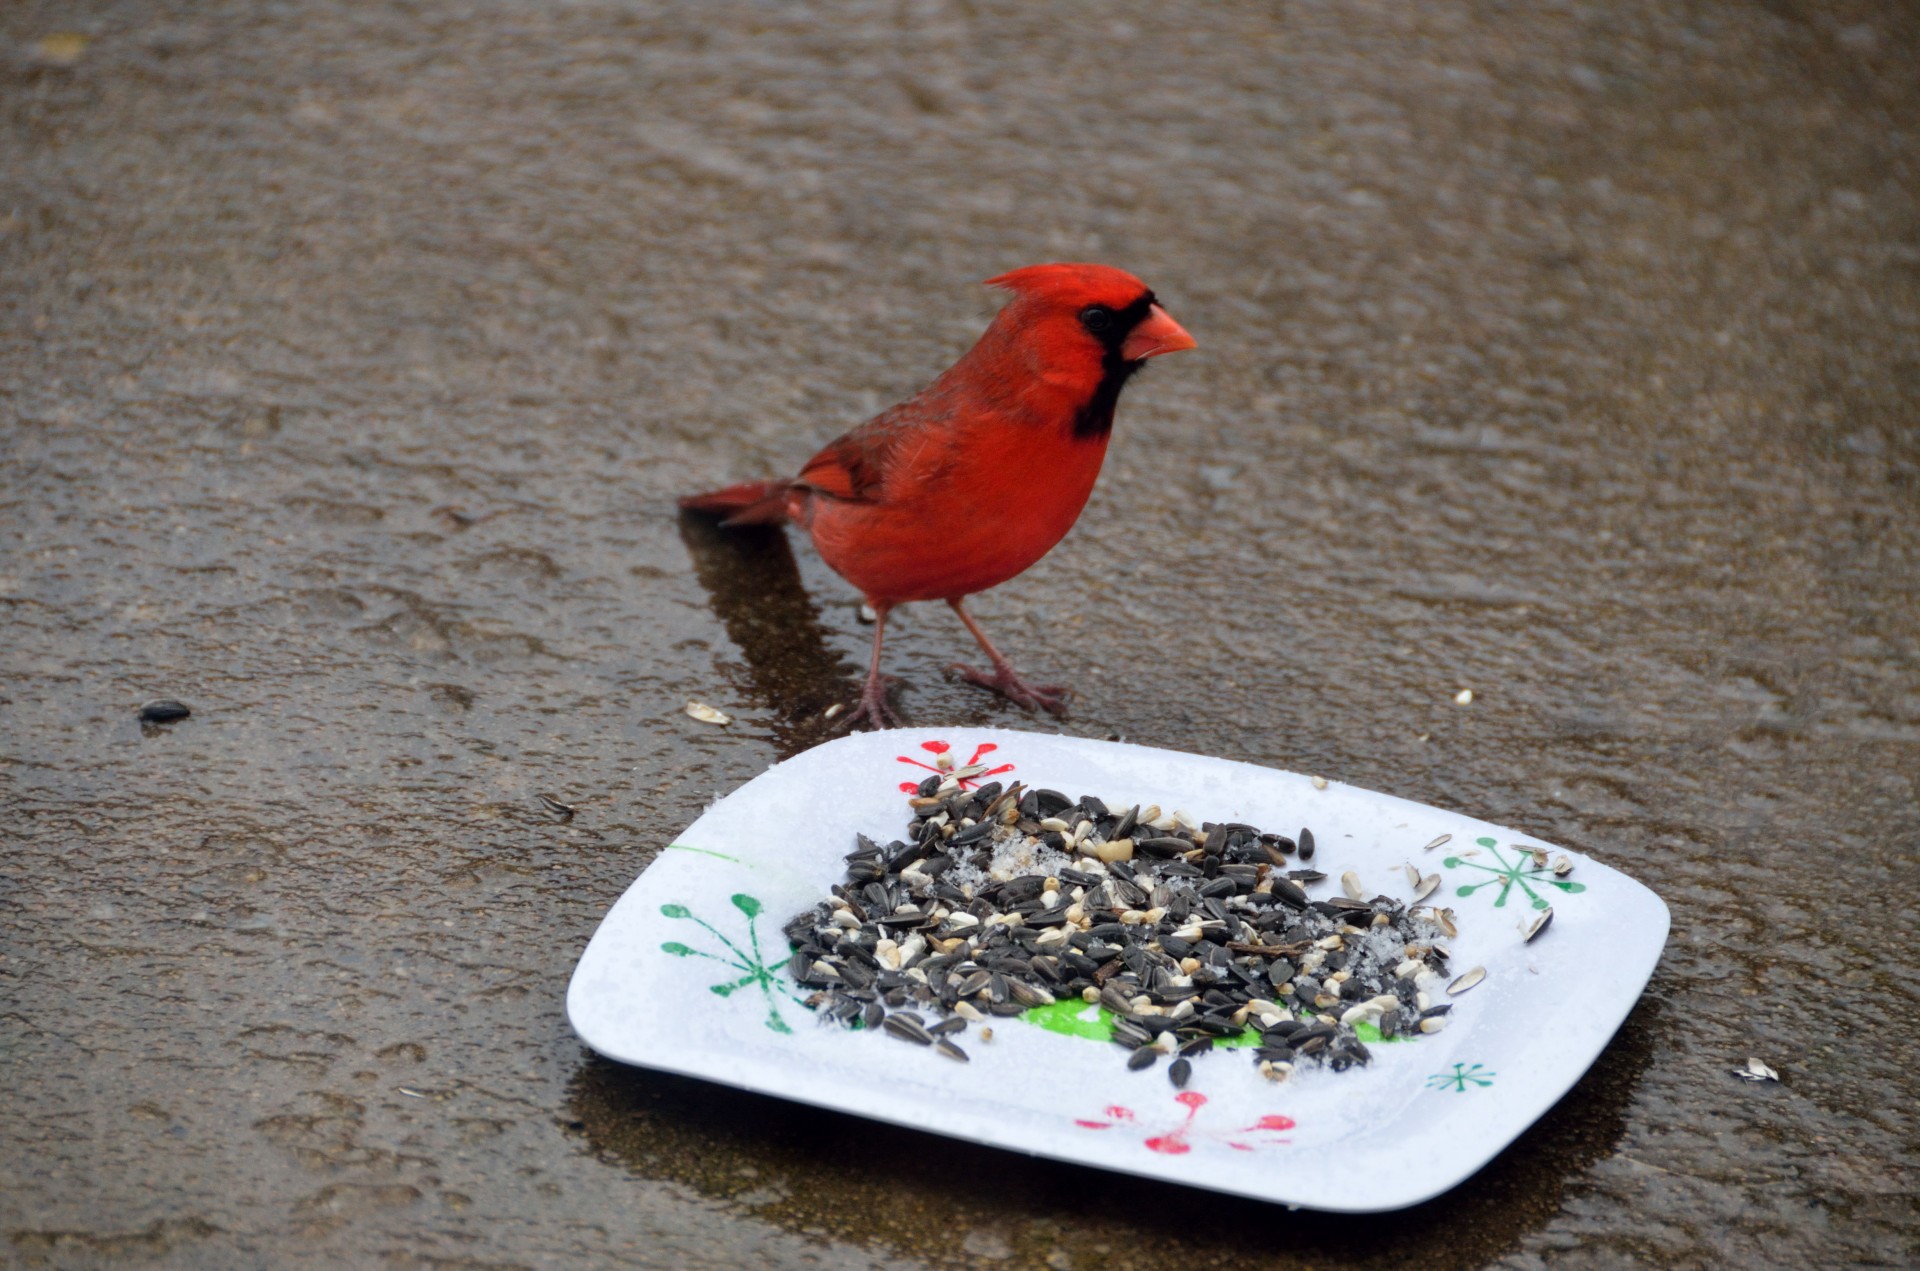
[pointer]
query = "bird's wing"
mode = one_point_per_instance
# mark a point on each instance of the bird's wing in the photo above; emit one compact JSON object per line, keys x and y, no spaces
{"x":855,"y":466}
{"x":846,"y":469}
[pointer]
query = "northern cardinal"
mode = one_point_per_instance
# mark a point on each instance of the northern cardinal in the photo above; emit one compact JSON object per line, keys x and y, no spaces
{"x":966,"y":484}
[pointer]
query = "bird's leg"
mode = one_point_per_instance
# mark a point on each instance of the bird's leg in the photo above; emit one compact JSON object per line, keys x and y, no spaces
{"x":1051,"y":698}
{"x":873,"y":706}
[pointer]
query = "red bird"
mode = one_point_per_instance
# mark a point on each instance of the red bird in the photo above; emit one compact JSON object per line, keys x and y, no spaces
{"x":974,"y":479}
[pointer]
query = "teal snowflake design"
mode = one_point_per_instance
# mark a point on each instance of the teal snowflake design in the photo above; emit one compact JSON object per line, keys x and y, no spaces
{"x":1521,"y":872}
{"x":1460,"y":1078}
{"x":752,"y":965}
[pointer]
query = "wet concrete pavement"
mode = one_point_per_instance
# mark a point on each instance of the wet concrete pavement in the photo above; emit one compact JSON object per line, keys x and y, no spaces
{"x":351,"y":357}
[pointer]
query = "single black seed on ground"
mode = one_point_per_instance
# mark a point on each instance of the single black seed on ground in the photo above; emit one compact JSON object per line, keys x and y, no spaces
{"x":164,"y":711}
{"x":1180,"y":1072}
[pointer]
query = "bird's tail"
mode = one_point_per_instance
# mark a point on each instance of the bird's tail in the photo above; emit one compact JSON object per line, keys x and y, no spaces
{"x":749,"y":503}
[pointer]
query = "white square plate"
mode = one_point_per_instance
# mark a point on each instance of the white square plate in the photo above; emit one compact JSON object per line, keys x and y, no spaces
{"x":688,"y":974}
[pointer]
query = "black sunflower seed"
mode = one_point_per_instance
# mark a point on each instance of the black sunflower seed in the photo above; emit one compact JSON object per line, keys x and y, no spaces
{"x":972,"y":834}
{"x":907,"y":1027}
{"x":1051,"y":802}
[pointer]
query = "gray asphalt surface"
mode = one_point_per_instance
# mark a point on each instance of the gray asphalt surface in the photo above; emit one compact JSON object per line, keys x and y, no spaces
{"x":351,"y":357}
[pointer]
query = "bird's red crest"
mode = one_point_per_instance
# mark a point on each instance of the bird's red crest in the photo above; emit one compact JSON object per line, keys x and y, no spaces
{"x":1072,"y":284}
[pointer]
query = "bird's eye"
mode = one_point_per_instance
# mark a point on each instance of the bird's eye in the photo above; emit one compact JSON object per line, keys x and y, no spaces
{"x":1096,"y":318}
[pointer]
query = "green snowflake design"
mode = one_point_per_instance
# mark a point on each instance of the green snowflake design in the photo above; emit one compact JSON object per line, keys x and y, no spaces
{"x":753,"y":965}
{"x":1521,"y":872}
{"x":1460,"y":1078}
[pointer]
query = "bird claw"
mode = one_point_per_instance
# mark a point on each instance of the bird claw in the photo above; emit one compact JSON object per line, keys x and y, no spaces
{"x":1051,"y":698}
{"x":873,"y":710}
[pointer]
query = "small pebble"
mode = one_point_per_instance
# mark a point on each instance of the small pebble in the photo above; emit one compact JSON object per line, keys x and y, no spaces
{"x":1463,"y":698}
{"x":164,"y":711}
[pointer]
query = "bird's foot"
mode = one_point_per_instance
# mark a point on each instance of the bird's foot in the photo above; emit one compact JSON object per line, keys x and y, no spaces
{"x":873,"y":709}
{"x":1051,"y":698}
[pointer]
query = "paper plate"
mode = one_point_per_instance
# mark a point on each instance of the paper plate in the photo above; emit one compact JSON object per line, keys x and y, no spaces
{"x":688,"y":974}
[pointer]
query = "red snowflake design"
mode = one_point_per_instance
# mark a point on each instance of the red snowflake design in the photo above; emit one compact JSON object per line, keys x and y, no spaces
{"x":1176,"y":1140}
{"x":943,"y":765}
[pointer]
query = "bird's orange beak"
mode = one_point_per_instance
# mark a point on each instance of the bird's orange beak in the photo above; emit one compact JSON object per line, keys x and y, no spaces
{"x":1158,"y":334}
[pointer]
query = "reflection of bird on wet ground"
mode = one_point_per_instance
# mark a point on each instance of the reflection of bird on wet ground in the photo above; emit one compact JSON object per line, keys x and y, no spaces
{"x":967,"y":484}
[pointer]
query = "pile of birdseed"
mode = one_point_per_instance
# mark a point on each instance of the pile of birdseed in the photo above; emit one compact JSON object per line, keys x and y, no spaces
{"x":1000,"y":900}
